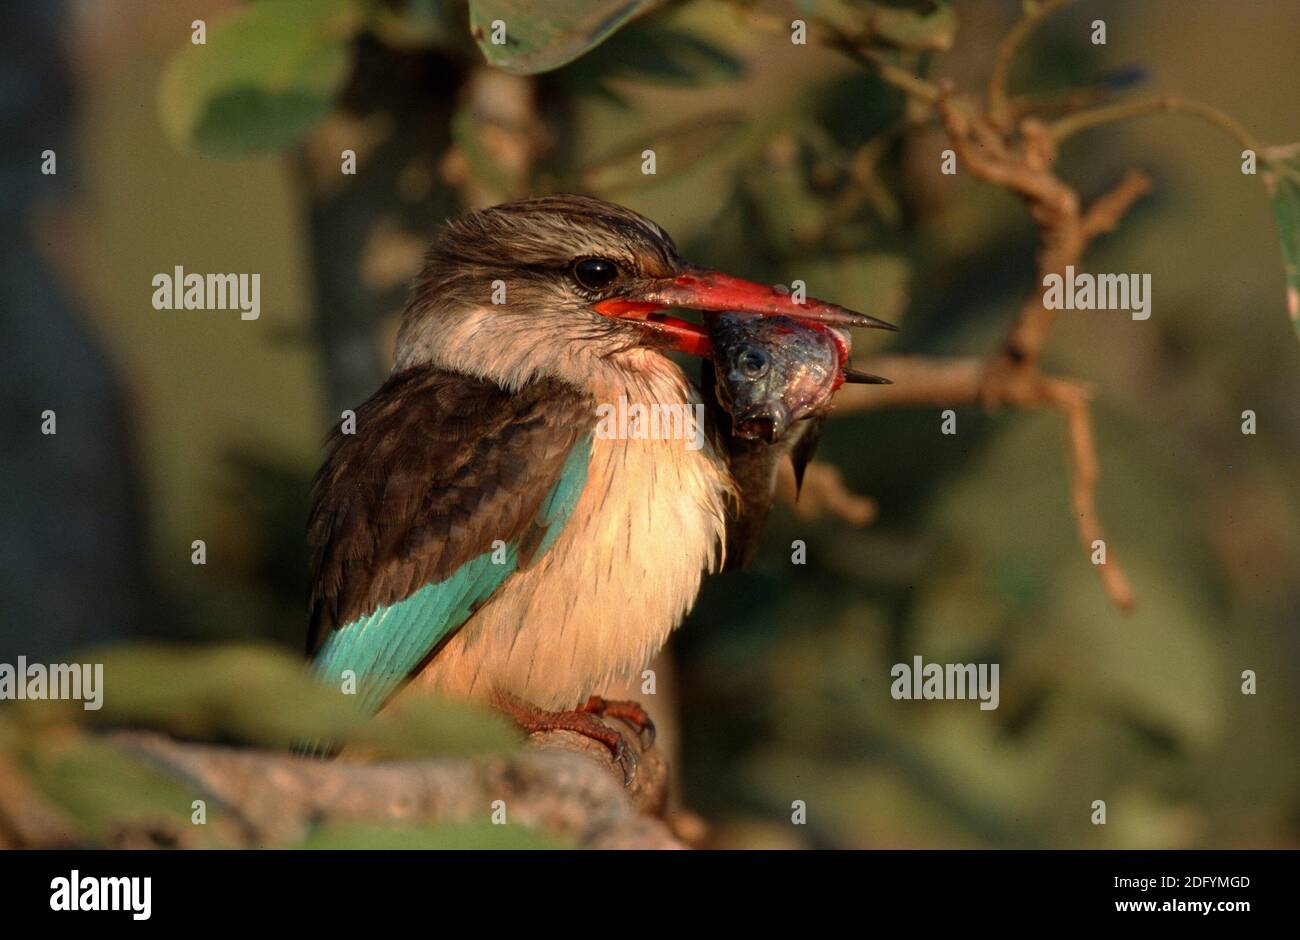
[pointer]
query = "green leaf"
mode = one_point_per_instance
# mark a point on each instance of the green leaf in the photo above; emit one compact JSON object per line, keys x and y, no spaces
{"x":424,"y":726}
{"x":466,"y":837}
{"x":541,"y":35}
{"x":652,"y":52}
{"x":1153,"y":667}
{"x":261,"y":695}
{"x":466,"y":132}
{"x":1156,"y":667}
{"x":249,"y":693}
{"x":418,"y":24}
{"x":931,"y":31}
{"x":676,"y":148}
{"x":1283,"y":182}
{"x":103,"y":790}
{"x":266,"y":75}
{"x":923,"y":26}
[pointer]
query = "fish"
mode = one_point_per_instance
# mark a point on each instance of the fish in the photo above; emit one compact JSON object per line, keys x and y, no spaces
{"x":774,"y":372}
{"x":773,"y":380}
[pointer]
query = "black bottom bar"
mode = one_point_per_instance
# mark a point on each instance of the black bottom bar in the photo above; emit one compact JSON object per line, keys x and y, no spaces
{"x":333,"y":889}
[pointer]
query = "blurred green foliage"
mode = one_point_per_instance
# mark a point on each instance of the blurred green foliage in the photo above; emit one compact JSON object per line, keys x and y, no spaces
{"x":261,"y":695}
{"x":531,"y":36}
{"x":1283,"y":181}
{"x":264,"y":76}
{"x":272,"y":70}
{"x":253,"y":695}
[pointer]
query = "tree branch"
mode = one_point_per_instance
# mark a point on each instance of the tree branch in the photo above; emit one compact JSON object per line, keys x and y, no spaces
{"x":554,"y":787}
{"x":824,"y":491}
{"x":925,"y":381}
{"x":1017,"y":156}
{"x":1021,"y":163}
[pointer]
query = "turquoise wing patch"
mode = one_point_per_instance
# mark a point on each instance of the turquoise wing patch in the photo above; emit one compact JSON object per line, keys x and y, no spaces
{"x":384,"y":647}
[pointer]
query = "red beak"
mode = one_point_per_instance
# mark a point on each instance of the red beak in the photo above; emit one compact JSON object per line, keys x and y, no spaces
{"x":698,"y":289}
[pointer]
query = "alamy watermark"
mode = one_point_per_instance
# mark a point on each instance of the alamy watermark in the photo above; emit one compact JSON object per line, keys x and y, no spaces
{"x":671,"y":421}
{"x":921,"y":680}
{"x":78,"y":892}
{"x":1083,"y":291}
{"x":192,"y":291}
{"x":76,"y":682}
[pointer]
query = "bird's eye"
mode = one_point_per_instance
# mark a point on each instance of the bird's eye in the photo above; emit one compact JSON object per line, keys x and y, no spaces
{"x":754,"y":361}
{"x":595,"y":273}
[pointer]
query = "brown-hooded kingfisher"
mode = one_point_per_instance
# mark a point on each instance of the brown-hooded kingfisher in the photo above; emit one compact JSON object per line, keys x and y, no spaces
{"x":475,"y":537}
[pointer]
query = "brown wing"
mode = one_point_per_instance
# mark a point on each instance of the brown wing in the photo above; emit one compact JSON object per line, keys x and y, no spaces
{"x":439,"y":467}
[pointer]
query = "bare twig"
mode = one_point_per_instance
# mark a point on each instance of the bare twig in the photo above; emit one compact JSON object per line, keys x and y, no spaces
{"x":1104,"y":215}
{"x":829,"y":35}
{"x":919,"y":381}
{"x":998,"y":108}
{"x":1018,"y":153}
{"x":926,"y":381}
{"x":1068,"y":126}
{"x":1071,"y":398}
{"x":1010,"y":376}
{"x":1024,"y":166}
{"x":824,"y":491}
{"x":895,"y":75}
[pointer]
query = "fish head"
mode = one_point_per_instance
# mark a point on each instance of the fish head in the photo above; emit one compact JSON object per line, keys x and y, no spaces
{"x":772,"y":372}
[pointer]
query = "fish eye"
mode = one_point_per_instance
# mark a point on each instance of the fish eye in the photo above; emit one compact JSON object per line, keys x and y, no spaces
{"x":754,"y":361}
{"x":595,"y":273}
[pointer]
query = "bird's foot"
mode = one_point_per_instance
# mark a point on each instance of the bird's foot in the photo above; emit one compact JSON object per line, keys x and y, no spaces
{"x":580,"y":721}
{"x":630,"y":712}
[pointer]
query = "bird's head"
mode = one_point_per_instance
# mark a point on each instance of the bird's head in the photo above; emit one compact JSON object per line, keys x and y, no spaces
{"x":569,"y":286}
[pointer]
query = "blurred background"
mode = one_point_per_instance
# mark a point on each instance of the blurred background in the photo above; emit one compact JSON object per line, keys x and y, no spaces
{"x":774,"y":161}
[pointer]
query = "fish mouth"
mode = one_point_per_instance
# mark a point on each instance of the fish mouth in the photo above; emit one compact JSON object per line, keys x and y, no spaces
{"x":711,"y":291}
{"x":760,"y":424}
